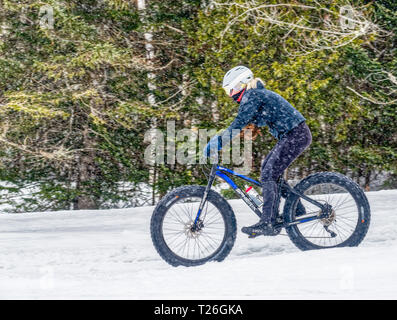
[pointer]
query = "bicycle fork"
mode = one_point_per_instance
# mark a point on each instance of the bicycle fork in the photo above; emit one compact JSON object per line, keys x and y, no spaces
{"x":211,"y":179}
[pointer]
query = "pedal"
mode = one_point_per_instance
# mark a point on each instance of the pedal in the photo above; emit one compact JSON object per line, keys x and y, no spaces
{"x":253,"y":235}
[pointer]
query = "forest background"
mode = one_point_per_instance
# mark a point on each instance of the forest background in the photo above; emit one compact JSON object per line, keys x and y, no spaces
{"x":83,"y":82}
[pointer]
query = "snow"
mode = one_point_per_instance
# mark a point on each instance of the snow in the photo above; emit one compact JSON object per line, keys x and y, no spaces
{"x":109,"y":255}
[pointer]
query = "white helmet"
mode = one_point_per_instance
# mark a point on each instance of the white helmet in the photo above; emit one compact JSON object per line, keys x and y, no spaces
{"x":235,"y":79}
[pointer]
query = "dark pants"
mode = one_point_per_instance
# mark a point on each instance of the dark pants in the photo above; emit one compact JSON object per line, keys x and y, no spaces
{"x":287,"y":149}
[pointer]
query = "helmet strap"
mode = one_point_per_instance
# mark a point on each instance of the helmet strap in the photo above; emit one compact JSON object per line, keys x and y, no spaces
{"x":241,"y":96}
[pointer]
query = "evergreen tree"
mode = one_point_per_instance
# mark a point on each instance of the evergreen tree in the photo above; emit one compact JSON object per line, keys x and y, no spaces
{"x":72,"y":106}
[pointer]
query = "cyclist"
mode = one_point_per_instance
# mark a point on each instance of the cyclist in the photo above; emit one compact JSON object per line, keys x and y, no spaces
{"x":261,"y":107}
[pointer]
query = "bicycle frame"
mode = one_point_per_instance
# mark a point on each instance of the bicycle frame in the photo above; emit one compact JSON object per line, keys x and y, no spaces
{"x":224,"y":174}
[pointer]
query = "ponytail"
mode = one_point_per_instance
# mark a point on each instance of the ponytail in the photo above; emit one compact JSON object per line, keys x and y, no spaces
{"x":253,"y":84}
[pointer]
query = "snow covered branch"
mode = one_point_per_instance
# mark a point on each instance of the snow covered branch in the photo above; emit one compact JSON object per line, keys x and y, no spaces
{"x":311,"y":27}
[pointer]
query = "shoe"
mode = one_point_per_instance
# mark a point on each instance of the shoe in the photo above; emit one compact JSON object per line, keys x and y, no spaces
{"x":261,"y":229}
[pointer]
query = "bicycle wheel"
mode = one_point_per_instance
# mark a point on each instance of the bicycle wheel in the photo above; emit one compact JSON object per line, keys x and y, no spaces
{"x":174,"y":237}
{"x":348,"y":222}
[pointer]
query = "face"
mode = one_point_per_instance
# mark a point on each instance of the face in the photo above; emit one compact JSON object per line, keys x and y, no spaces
{"x":236,"y":89}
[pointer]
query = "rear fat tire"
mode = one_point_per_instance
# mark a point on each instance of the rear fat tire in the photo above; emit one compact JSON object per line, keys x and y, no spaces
{"x":335,"y":178}
{"x":185,"y":192}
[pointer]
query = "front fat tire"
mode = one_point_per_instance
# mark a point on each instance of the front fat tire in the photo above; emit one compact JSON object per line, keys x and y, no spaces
{"x":185,"y":192}
{"x":335,"y":178}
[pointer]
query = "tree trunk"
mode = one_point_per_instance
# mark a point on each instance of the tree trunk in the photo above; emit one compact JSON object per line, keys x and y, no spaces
{"x":359,"y":175}
{"x":367,"y":180}
{"x":86,"y":174}
{"x":141,"y":6}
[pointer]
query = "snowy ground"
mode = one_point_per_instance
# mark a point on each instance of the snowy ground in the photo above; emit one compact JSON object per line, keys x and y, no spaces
{"x":109,"y":255}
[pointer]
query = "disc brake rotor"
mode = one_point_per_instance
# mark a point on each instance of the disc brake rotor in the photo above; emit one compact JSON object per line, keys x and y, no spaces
{"x":194,"y":231}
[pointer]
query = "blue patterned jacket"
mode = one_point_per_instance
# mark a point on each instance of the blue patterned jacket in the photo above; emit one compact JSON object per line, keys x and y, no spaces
{"x":261,"y":107}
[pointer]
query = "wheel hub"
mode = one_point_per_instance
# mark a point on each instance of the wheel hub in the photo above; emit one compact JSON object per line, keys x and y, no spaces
{"x":193,"y":230}
{"x":329,"y":220}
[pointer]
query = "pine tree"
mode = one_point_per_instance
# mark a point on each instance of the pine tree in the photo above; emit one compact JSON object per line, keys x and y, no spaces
{"x":72,"y":105}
